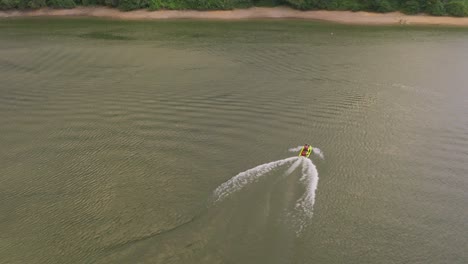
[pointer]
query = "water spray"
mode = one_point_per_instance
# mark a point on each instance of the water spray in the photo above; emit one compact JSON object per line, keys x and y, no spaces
{"x":309,"y":178}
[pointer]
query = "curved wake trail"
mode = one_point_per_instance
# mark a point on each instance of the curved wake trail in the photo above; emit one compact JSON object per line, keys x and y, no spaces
{"x":318,"y":152}
{"x":291,"y":210}
{"x":303,"y":209}
{"x":293,"y":167}
{"x":305,"y":205}
{"x":296,"y":149}
{"x":310,"y":179}
{"x":246,"y":177}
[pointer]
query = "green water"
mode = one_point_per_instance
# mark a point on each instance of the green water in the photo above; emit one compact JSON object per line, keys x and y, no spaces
{"x":114,"y":136}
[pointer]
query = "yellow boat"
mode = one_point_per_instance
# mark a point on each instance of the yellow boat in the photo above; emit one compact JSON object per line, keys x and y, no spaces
{"x":305,"y":151}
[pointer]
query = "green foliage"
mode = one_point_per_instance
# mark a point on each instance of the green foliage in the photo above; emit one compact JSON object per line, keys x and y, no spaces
{"x":411,"y":7}
{"x":9,"y":4}
{"x":300,"y":4}
{"x":22,"y":4}
{"x":435,"y":8}
{"x":331,"y":4}
{"x":322,"y":4}
{"x":382,"y":6}
{"x":198,"y":4}
{"x":96,"y":2}
{"x":112,"y":3}
{"x":266,"y":3}
{"x":61,"y":3}
{"x":350,"y":5}
{"x":88,"y":2}
{"x":127,"y":5}
{"x":33,"y":4}
{"x":456,"y":8}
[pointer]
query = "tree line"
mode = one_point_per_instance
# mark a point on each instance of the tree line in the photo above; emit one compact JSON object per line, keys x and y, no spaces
{"x":457,"y":8}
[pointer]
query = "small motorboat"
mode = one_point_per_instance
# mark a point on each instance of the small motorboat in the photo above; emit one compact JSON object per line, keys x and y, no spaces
{"x":305,"y":151}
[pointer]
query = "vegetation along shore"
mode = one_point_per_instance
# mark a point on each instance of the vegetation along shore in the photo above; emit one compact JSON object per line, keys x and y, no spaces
{"x":457,"y":8}
{"x":344,"y":17}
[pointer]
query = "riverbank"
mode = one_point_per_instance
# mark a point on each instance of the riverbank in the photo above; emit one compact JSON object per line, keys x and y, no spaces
{"x":343,"y":17}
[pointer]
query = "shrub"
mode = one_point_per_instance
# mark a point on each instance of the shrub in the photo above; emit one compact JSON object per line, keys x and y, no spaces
{"x":349,"y":5}
{"x":299,"y":4}
{"x":198,"y":4}
{"x":322,"y":4}
{"x":88,"y":2}
{"x":61,"y":3}
{"x":155,"y":4}
{"x":382,"y":6}
{"x":435,"y":8}
{"x":92,"y":2}
{"x":211,"y":4}
{"x":456,"y":8}
{"x":35,"y":4}
{"x":411,"y":7}
{"x":8,"y":4}
{"x":266,"y":3}
{"x":112,"y":3}
{"x":164,"y":4}
{"x":331,"y":4}
{"x":128,"y":5}
{"x":355,"y":7}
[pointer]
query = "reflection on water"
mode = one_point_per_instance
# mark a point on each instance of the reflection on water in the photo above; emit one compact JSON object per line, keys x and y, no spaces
{"x":114,"y":136}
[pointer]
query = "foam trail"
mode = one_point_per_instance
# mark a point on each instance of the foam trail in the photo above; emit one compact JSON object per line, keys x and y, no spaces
{"x":242,"y":179}
{"x":318,"y":152}
{"x":296,"y":149}
{"x":310,"y":179}
{"x":293,"y":167}
{"x":305,"y":204}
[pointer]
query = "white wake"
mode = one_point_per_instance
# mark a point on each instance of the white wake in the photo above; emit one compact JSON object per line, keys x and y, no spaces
{"x":303,"y":210}
{"x":305,"y":204}
{"x":293,"y":167}
{"x":318,"y":152}
{"x":296,"y":149}
{"x":246,"y":177}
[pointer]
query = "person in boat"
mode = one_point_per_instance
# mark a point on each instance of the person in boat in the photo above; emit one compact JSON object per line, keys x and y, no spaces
{"x":305,"y":151}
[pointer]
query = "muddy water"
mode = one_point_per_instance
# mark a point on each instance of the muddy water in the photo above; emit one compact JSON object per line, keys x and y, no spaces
{"x":115,"y":136}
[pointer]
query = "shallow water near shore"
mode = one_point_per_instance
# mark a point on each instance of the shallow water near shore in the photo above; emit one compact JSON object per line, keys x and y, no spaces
{"x":116,"y":134}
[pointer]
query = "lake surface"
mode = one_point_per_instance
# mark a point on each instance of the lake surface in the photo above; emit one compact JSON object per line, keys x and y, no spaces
{"x":115,"y":135}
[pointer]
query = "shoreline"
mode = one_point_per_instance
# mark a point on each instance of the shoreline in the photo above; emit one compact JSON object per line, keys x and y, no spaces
{"x":341,"y":17}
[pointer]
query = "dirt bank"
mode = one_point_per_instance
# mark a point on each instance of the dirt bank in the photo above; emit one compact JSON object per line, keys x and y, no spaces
{"x":344,"y":17}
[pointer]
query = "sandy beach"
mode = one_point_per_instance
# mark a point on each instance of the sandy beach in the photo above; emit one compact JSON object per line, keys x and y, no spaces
{"x":343,"y":17}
